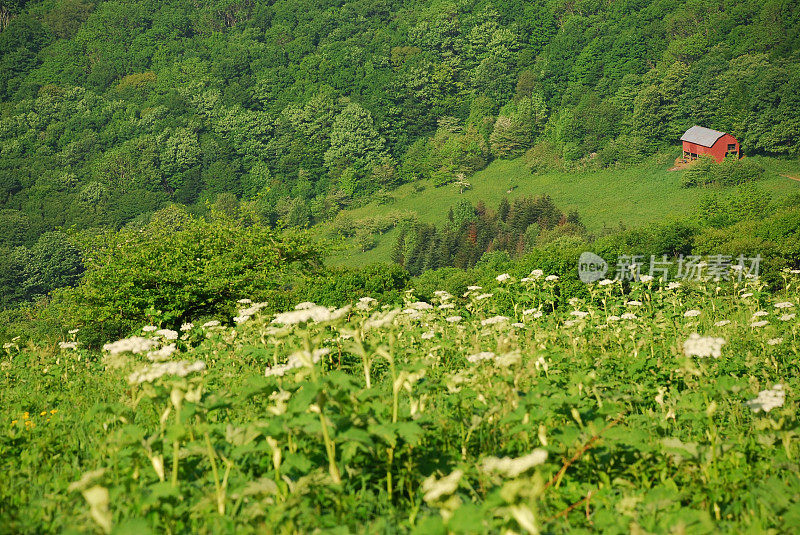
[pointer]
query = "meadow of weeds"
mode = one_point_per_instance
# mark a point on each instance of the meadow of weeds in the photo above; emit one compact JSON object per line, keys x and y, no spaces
{"x":646,"y":407}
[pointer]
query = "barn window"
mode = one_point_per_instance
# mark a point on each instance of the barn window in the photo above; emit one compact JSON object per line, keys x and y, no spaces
{"x":731,"y":147}
{"x":693,"y":156}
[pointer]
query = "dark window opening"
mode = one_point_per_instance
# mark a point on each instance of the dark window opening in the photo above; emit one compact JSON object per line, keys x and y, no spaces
{"x":731,"y":147}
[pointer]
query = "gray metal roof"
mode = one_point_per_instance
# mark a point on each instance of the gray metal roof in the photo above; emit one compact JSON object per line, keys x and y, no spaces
{"x":702,"y":136}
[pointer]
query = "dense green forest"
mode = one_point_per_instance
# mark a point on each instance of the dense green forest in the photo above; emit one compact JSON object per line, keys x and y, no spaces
{"x":287,"y":112}
{"x":111,"y":110}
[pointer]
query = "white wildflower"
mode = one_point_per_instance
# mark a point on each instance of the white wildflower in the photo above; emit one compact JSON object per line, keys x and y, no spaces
{"x":169,"y":334}
{"x":149,"y":328}
{"x":434,"y":489}
{"x":474,"y":288}
{"x":605,"y":282}
{"x":722,"y":323}
{"x":634,"y":303}
{"x":428,"y":335}
{"x":73,"y":331}
{"x":447,"y":306}
{"x":156,"y":371}
{"x":209,"y":324}
{"x":761,"y":323}
{"x":570,"y":323}
{"x":787,"y":317}
{"x":420,"y":305}
{"x":774,"y":341}
{"x":510,"y":467}
{"x":483,"y":355}
{"x":646,"y":278}
{"x":674,"y":285}
{"x":629,"y":316}
{"x":691,"y":313}
{"x":453,"y":319}
{"x":784,"y":304}
{"x":494,"y":320}
{"x":536,"y":273}
{"x":244,"y":301}
{"x":481,"y":297}
{"x":518,"y":325}
{"x":241,"y":318}
{"x":613,"y":318}
{"x":768,"y":399}
{"x":503,"y":277}
{"x":579,"y":313}
{"x":380,"y":320}
{"x":760,"y":313}
{"x":316,"y":314}
{"x":300,"y":359}
{"x":365,"y":303}
{"x":703,"y":346}
{"x":551,"y":278}
{"x":746,"y":295}
{"x":162,"y":354}
{"x":443,"y":295}
{"x":68,"y":345}
{"x":187,"y":326}
{"x":134,"y":344}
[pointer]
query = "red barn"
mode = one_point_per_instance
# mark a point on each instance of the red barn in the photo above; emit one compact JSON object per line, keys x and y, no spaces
{"x":699,"y":140}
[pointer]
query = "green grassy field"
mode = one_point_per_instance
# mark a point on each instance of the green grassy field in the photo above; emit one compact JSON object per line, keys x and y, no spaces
{"x":635,"y":196}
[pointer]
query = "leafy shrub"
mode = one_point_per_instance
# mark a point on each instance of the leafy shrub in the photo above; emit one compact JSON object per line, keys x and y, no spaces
{"x":179,"y":268}
{"x":730,"y":172}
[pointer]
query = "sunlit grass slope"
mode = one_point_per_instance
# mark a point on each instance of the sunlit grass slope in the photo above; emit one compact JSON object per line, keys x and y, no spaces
{"x":647,"y":193}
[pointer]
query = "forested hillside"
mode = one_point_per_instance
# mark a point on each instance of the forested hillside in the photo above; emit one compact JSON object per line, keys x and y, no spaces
{"x":294,"y":109}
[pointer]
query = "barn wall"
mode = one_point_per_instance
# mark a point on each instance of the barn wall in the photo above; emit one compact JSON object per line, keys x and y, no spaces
{"x":717,"y":151}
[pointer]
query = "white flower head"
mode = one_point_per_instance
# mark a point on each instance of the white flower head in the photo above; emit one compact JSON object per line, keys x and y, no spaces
{"x":703,"y":346}
{"x":605,"y":282}
{"x":134,"y":344}
{"x":149,"y":328}
{"x":187,"y":326}
{"x":503,"y":277}
{"x":721,"y":323}
{"x":68,"y":345}
{"x":674,"y":285}
{"x":427,"y":335}
{"x":787,"y":317}
{"x":453,"y":319}
{"x":435,"y":489}
{"x":169,"y":334}
{"x":481,"y":297}
{"x":510,"y":467}
{"x":634,"y":303}
{"x":629,"y":316}
{"x":691,"y":313}
{"x":156,"y":371}
{"x":579,"y":313}
{"x":162,"y":354}
{"x":758,"y":324}
{"x":212,"y":323}
{"x":536,"y":273}
{"x":646,"y":278}
{"x":775,"y":341}
{"x":784,"y":304}
{"x":760,"y":313}
{"x":483,"y":355}
{"x":768,"y":399}
{"x":316,"y":314}
{"x":551,"y":278}
{"x":494,"y":320}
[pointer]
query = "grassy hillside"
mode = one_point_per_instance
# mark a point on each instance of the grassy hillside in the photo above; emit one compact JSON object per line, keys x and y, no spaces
{"x":635,"y":196}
